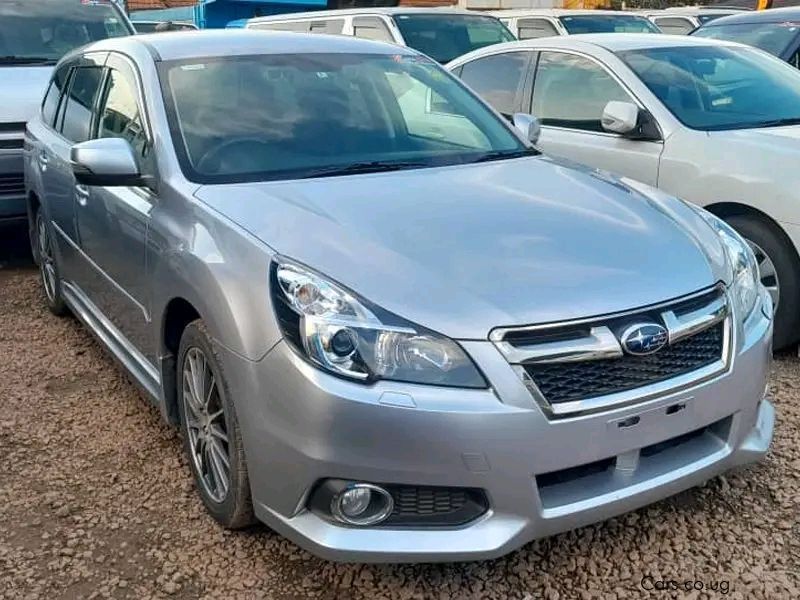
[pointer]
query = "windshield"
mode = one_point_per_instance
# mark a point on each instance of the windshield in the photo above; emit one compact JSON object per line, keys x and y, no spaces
{"x":608,"y":24}
{"x":447,"y":36}
{"x":44,"y":30}
{"x":772,"y":37}
{"x":718,"y":87}
{"x":266,"y":117}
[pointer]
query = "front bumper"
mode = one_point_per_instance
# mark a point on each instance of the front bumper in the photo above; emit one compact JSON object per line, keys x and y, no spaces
{"x":301,"y":425}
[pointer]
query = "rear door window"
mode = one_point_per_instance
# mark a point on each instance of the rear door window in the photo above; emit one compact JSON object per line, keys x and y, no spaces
{"x":371,"y":28}
{"x":80,"y":102}
{"x":329,"y":26}
{"x":674,"y":25}
{"x":498,"y":79}
{"x":528,"y":29}
{"x":296,"y":26}
{"x":53,"y":96}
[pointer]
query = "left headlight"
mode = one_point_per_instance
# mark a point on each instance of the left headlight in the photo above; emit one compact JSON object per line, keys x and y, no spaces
{"x":743,"y":263}
{"x":342,"y":334}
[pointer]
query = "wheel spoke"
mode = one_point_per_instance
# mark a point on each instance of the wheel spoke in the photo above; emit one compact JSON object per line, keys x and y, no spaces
{"x":216,"y":431}
{"x":218,"y":451}
{"x":766,"y":269}
{"x":213,"y":417}
{"x":190,"y":397}
{"x":211,"y":387}
{"x":218,"y":468}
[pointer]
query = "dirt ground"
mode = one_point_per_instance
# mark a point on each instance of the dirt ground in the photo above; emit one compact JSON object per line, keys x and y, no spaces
{"x":96,"y":500}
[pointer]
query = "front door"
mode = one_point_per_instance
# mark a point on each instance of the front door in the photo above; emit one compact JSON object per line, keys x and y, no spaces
{"x":113,"y":221}
{"x":570,"y":92}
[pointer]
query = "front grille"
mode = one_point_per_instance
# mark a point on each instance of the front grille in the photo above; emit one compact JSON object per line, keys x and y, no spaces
{"x":571,"y":381}
{"x":12,"y":185}
{"x":12,"y":127}
{"x":16,"y":144}
{"x":437,"y":506}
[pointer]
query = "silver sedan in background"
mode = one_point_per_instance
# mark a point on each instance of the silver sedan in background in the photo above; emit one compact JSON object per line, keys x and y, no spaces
{"x":388,"y":326}
{"x":714,"y":123}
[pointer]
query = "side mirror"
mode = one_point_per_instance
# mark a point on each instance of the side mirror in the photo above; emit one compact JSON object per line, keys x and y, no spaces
{"x":106,"y":162}
{"x":528,"y":126}
{"x":620,"y":117}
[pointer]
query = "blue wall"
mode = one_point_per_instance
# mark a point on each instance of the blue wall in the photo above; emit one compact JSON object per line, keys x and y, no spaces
{"x":216,"y":14}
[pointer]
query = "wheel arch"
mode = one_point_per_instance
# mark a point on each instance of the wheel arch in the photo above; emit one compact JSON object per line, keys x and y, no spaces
{"x":178,"y":313}
{"x":723,"y":210}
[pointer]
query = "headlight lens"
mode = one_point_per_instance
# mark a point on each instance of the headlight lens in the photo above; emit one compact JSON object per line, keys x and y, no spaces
{"x":340,"y":333}
{"x":743,"y":263}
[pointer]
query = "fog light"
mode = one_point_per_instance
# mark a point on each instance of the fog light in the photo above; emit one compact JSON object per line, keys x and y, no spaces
{"x":362,"y":504}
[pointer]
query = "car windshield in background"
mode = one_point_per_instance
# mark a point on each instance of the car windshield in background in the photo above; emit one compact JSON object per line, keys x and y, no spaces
{"x":772,"y":37}
{"x":317,"y":115}
{"x":717,"y":87}
{"x":608,"y":24}
{"x":42,"y":31}
{"x":445,"y":37}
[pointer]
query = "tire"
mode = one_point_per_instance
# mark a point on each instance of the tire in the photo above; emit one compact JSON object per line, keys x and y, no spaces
{"x":768,"y":242}
{"x":230,"y":505}
{"x":47,"y":260}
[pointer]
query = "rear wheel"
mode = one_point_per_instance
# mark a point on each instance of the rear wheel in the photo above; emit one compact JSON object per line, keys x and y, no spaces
{"x":211,"y":434}
{"x":48,"y":265}
{"x":778,"y":271}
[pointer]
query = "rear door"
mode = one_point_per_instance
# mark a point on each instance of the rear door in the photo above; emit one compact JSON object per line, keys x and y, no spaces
{"x":71,"y":124}
{"x":570,"y":92}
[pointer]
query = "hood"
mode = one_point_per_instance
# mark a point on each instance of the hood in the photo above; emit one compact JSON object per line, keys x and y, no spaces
{"x":769,"y":140}
{"x":23,"y":89}
{"x":464,"y":249}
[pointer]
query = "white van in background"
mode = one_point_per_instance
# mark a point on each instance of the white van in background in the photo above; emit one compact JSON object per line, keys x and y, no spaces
{"x":34,"y":35}
{"x":442,"y":33}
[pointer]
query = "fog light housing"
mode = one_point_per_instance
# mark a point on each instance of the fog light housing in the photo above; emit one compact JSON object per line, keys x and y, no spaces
{"x":362,"y":504}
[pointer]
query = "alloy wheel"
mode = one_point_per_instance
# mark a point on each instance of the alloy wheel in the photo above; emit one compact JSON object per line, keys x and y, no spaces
{"x":206,"y":425}
{"x":46,"y":261}
{"x":767,"y":273}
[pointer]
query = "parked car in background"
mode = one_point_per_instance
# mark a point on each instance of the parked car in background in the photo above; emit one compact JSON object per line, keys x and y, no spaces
{"x":33,"y":36}
{"x":389,"y":327}
{"x":685,"y":19}
{"x":162,"y":26}
{"x":441,"y":33}
{"x":536,"y":23}
{"x":711,"y":122}
{"x":776,"y":31}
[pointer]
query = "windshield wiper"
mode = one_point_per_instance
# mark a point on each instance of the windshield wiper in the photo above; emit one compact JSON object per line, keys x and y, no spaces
{"x":374,"y":166}
{"x":11,"y":59}
{"x":505,"y":155}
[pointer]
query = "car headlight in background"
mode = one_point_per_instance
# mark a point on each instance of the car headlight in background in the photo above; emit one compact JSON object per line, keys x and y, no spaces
{"x":340,"y":333}
{"x":745,"y":285}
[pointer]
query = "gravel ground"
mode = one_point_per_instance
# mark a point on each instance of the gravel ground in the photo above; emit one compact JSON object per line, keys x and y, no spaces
{"x":96,"y":500}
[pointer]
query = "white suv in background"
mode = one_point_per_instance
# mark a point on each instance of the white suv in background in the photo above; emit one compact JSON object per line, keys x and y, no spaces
{"x":441,"y":33}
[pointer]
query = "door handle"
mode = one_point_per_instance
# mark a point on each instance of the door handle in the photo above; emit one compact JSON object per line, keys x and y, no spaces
{"x":43,"y":160}
{"x":81,"y":194}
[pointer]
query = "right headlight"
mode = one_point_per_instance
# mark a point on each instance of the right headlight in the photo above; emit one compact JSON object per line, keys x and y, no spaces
{"x":348,"y":337}
{"x":745,"y":285}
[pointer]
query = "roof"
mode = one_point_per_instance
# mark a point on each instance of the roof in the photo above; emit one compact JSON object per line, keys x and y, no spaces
{"x":773,"y":15}
{"x":383,"y":10}
{"x":613,"y":42}
{"x":237,"y":42}
{"x":692,"y":11}
{"x":158,"y":4}
{"x":558,"y":12}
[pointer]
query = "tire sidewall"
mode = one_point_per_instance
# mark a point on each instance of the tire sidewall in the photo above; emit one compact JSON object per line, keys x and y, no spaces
{"x":235,"y":510}
{"x":56,"y":305}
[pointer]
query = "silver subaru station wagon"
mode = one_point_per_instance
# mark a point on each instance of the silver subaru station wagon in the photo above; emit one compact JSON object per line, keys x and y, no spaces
{"x":387,"y":326}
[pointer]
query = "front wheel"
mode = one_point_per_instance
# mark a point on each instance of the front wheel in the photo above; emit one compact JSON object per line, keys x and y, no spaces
{"x":778,"y":270}
{"x":211,"y":435}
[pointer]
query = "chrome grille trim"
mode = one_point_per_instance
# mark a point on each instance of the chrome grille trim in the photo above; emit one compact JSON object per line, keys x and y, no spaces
{"x":596,"y":345}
